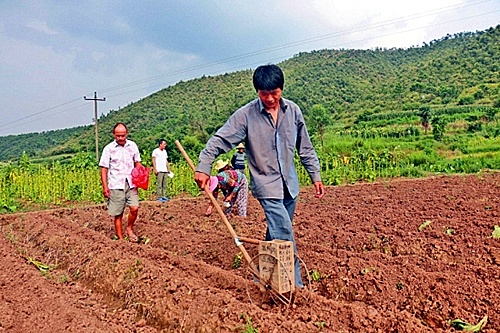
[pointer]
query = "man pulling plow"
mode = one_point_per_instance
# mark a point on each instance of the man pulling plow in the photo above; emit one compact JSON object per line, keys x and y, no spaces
{"x":273,"y":130}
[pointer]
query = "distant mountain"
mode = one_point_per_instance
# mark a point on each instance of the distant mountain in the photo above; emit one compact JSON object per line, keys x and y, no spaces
{"x":459,"y":69}
{"x":37,"y":144}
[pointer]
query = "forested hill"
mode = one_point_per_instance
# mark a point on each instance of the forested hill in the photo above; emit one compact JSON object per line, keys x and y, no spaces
{"x":350,"y":85}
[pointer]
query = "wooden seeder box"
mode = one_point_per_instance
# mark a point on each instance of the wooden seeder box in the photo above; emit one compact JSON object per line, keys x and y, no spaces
{"x":276,"y":264}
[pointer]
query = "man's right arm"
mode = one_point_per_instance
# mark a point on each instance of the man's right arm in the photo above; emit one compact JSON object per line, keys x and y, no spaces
{"x":225,"y":139}
{"x":104,"y":180}
{"x":153,"y":159}
{"x":216,"y":146}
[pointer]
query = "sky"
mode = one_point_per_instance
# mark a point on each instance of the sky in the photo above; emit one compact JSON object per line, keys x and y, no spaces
{"x":54,"y":54}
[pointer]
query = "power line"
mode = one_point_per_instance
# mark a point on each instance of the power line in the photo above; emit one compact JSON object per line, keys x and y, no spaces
{"x":37,"y":113}
{"x":297,"y":43}
{"x":51,"y":115}
{"x":268,"y":50}
{"x":281,"y":57}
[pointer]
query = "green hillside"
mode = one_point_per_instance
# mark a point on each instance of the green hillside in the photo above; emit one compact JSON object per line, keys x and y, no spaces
{"x":453,"y":83}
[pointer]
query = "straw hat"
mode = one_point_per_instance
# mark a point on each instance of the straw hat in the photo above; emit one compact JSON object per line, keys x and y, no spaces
{"x":240,"y":146}
{"x":220,"y":164}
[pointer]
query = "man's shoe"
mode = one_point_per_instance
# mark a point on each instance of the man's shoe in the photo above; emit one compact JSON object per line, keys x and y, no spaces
{"x":165,"y":199}
{"x":160,"y":200}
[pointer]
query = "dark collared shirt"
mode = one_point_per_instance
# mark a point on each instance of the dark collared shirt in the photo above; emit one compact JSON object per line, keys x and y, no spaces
{"x":270,"y":149}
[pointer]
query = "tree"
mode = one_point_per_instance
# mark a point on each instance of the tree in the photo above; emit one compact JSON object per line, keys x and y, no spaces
{"x":425,"y":115}
{"x":438,"y":127}
{"x":318,"y":120}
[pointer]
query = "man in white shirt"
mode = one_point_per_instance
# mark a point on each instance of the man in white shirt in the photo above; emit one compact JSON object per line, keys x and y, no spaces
{"x":161,"y":169}
{"x":117,"y":161}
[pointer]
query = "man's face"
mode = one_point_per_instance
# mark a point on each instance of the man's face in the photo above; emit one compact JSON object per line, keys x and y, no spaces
{"x":163,"y":145}
{"x":270,"y":98}
{"x":120,"y":134}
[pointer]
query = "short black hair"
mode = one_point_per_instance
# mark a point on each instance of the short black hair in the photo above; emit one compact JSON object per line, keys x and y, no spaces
{"x":268,"y":77}
{"x":161,"y":141}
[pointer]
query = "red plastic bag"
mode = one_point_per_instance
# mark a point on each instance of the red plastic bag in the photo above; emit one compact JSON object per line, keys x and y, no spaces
{"x":140,"y":177}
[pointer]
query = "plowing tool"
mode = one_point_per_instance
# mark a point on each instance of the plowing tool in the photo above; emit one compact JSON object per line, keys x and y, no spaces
{"x":271,"y":272}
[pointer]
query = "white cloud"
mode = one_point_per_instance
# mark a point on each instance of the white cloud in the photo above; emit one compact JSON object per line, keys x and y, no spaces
{"x":53,"y":52}
{"x":41,"y":26}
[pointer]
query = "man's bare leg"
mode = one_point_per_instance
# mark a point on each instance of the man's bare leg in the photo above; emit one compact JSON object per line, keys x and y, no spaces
{"x":132,"y":216}
{"x":118,"y":226}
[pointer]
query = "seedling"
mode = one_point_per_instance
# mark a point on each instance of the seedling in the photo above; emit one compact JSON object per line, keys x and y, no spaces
{"x":320,"y":324}
{"x":44,"y":268}
{"x":63,"y":278}
{"x":496,"y":232}
{"x":144,"y":240}
{"x":316,"y":276}
{"x":367,"y":270}
{"x":449,"y":231}
{"x":424,"y":225}
{"x":237,"y":260}
{"x":461,"y":325}
{"x":249,"y":326}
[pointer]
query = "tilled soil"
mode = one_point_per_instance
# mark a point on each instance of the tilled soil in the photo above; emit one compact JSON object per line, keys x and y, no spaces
{"x":396,"y":256}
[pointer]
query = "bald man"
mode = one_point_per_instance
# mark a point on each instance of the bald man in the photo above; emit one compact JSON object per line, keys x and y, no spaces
{"x":118,"y":159}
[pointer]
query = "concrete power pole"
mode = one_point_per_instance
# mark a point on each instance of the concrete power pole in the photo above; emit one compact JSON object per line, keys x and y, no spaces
{"x":95,"y":99}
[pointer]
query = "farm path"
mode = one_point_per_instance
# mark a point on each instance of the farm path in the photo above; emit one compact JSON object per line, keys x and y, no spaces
{"x":395,"y":256}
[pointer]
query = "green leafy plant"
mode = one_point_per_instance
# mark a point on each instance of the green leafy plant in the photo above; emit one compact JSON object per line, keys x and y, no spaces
{"x":9,"y":205}
{"x":496,"y":232}
{"x":461,"y":325}
{"x":320,"y":324}
{"x":424,"y":225}
{"x":237,"y":260}
{"x":316,"y":276}
{"x":249,"y":328}
{"x":449,"y":231}
{"x":44,"y":268}
{"x":367,"y":270}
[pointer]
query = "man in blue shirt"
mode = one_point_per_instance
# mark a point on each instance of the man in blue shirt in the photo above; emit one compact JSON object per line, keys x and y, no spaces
{"x":239,"y":158}
{"x":273,"y":129}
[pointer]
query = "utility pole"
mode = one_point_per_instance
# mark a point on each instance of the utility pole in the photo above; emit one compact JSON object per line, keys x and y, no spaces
{"x":95,"y":99}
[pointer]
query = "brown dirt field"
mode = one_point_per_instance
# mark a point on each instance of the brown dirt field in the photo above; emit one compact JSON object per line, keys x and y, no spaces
{"x":379,"y":273}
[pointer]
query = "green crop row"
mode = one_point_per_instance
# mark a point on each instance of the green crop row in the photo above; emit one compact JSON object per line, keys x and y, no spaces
{"x":59,"y":185}
{"x":344,"y":159}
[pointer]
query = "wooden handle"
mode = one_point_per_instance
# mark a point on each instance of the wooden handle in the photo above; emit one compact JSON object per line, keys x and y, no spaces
{"x":249,"y":240}
{"x":219,"y":210}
